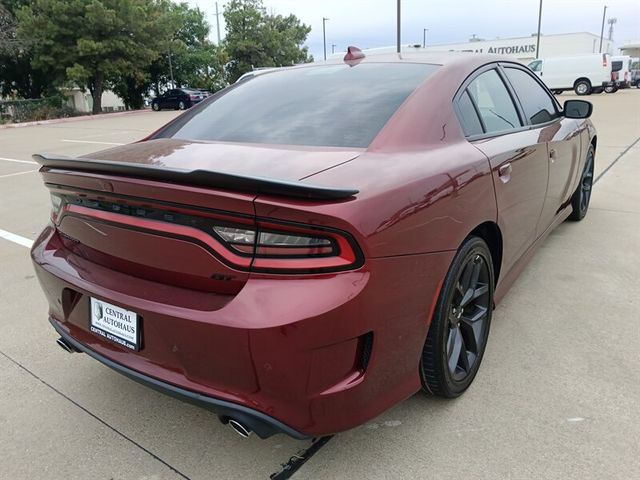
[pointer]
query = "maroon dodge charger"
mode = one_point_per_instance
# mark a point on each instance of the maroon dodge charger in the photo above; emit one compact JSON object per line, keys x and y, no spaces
{"x":314,"y":244}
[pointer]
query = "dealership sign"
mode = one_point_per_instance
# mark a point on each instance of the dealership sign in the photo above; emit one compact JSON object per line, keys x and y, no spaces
{"x":508,"y":50}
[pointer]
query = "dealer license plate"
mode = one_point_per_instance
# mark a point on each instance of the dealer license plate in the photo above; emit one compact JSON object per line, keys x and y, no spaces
{"x":115,"y":323}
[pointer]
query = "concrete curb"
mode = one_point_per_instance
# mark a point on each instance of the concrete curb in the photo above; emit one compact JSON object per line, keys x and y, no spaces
{"x":72,"y":119}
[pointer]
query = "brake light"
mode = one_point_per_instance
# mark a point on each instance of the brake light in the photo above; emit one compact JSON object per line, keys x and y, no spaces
{"x":266,"y":246}
{"x":293,"y":249}
{"x":194,"y":97}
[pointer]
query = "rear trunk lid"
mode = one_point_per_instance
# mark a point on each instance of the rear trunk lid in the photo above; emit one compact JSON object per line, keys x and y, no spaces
{"x":162,"y":230}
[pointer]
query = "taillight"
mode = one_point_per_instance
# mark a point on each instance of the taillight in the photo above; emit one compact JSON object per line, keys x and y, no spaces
{"x":292,"y":248}
{"x":267,"y":246}
{"x":57,"y":202}
{"x":194,"y":97}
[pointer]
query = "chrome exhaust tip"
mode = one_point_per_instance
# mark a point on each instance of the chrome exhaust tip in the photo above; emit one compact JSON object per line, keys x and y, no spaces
{"x":66,"y":346}
{"x":239,"y":428}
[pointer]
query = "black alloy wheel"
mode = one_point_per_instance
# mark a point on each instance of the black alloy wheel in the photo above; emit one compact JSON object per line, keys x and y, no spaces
{"x":582,"y":195}
{"x":459,"y":330}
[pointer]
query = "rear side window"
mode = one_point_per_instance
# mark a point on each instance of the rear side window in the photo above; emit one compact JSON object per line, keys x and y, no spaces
{"x":535,"y":66}
{"x":538,"y":106}
{"x":616,"y":66}
{"x":468,"y":116}
{"x":329,"y":105}
{"x":494,"y":103}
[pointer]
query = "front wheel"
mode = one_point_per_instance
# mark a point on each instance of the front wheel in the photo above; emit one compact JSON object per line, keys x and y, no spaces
{"x":460,"y":326}
{"x":155,"y":106}
{"x":181,"y":105}
{"x":582,"y":195}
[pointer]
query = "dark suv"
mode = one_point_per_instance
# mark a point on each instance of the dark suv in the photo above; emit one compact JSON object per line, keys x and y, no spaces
{"x":177,"y":98}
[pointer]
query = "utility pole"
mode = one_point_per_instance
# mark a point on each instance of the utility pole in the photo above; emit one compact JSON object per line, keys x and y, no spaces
{"x":218,"y":23}
{"x":604,"y":13}
{"x":424,"y":37}
{"x":324,"y":36}
{"x":173,"y":84}
{"x":398,"y":28}
{"x":539,"y":26}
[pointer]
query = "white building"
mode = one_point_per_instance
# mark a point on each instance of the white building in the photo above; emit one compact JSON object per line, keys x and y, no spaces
{"x":83,"y":102}
{"x":521,"y":48}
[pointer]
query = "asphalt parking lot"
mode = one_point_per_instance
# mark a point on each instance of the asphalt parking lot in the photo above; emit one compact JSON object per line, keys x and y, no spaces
{"x":557,"y":396}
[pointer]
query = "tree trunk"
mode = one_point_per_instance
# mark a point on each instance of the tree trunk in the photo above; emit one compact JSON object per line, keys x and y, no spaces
{"x":96,"y":92}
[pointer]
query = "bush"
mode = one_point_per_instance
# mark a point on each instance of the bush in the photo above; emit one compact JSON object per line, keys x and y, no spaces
{"x":17,"y":111}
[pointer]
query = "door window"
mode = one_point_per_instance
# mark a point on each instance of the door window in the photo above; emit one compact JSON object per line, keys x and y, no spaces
{"x":536,"y":66}
{"x":537,"y":104}
{"x":495,"y":105}
{"x":468,"y":116}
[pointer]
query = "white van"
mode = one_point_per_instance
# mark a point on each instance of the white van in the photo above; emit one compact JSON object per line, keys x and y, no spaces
{"x":621,"y":71}
{"x":584,"y":74}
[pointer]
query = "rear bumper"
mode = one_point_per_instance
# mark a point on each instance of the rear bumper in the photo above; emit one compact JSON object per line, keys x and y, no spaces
{"x":286,"y":352}
{"x":263,"y":425}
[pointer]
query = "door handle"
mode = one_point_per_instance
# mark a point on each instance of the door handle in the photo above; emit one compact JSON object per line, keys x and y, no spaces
{"x":504,"y":172}
{"x":552,"y":155}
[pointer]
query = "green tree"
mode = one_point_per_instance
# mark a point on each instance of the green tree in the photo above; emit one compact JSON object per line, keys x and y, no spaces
{"x":17,"y":74}
{"x":92,"y":42}
{"x":257,"y":39}
{"x":187,"y":56}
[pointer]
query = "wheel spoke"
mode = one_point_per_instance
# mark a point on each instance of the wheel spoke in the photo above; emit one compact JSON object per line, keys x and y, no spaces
{"x":463,"y":361}
{"x":472,"y":329}
{"x":454,"y":348}
{"x":480,"y":290}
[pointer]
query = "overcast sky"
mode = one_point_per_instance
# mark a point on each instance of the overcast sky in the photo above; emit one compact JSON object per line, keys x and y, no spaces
{"x":371,"y":23}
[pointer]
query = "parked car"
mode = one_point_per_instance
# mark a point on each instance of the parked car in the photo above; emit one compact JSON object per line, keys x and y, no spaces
{"x":317,"y":243}
{"x":177,"y":99}
{"x":635,"y":78}
{"x":584,"y":74}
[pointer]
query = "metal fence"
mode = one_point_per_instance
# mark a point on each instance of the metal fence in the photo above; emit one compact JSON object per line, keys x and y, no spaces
{"x":17,"y":111}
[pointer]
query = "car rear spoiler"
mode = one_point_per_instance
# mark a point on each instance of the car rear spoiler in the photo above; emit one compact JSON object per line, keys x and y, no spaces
{"x":201,"y":178}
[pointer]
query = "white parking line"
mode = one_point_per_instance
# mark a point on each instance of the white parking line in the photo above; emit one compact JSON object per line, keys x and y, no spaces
{"x":15,"y":160}
{"x":17,"y":173}
{"x":12,"y":237}
{"x":88,"y":141}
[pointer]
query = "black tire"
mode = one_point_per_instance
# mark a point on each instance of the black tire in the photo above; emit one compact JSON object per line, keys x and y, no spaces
{"x":181,"y":105}
{"x":582,"y":87}
{"x":443,"y":372}
{"x":581,"y":197}
{"x":637,"y":83}
{"x":155,"y":106}
{"x":556,"y":92}
{"x":610,"y":89}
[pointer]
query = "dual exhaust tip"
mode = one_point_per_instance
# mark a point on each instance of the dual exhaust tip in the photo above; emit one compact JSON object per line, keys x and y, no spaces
{"x":235,"y":425}
{"x":66,"y":346}
{"x":239,"y":428}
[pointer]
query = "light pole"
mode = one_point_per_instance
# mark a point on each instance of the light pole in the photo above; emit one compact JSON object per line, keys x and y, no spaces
{"x":424,"y":37}
{"x":398,"y":29}
{"x":604,"y":13}
{"x":324,"y":36}
{"x":539,"y":25}
{"x":218,"y":23}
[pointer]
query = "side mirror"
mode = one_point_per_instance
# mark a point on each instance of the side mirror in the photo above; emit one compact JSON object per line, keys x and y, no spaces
{"x":577,"y":109}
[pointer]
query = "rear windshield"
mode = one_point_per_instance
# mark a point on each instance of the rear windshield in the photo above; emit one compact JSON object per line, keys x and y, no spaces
{"x":330,"y":105}
{"x":616,"y":66}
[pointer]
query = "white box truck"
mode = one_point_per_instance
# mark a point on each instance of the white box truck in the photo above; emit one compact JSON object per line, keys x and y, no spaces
{"x":584,"y":74}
